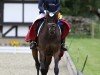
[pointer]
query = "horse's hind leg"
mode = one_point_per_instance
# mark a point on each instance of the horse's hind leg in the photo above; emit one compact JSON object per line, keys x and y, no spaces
{"x":35,"y":56}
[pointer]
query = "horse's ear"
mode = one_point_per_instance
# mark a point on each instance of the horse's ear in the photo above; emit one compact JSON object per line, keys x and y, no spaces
{"x":46,"y":18}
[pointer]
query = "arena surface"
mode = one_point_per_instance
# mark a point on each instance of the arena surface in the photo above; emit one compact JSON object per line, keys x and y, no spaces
{"x":12,"y":63}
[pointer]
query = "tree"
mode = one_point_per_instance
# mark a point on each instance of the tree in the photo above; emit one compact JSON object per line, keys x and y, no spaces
{"x":80,"y":7}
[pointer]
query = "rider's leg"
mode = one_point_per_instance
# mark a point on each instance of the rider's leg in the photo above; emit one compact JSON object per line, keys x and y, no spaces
{"x":33,"y":43}
{"x":63,"y":30}
{"x":63,"y":45}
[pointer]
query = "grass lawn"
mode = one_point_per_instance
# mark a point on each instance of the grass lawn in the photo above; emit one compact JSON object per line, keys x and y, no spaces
{"x":79,"y":48}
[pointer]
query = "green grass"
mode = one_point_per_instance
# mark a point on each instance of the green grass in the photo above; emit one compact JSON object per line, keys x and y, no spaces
{"x":79,"y":48}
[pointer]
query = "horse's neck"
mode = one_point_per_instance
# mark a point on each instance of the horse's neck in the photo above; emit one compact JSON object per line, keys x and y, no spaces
{"x":45,"y":29}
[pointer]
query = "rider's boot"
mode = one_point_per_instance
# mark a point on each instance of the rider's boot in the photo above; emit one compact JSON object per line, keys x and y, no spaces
{"x":63,"y":45}
{"x":33,"y":44}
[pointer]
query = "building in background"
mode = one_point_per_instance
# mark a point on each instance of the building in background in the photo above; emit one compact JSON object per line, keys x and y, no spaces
{"x":16,"y":16}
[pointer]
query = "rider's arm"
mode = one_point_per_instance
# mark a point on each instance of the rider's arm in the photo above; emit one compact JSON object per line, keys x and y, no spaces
{"x":58,"y":5}
{"x":40,"y":6}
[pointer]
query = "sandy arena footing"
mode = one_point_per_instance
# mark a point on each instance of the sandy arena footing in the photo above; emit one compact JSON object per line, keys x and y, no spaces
{"x":23,"y":64}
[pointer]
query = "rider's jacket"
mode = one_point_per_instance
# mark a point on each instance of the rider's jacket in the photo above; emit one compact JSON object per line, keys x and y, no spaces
{"x":50,"y":5}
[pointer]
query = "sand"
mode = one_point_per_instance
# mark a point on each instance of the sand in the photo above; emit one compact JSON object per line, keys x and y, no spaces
{"x":23,"y":64}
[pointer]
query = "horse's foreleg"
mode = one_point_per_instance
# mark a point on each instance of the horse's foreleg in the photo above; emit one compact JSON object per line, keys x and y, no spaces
{"x":56,"y":61}
{"x":42,"y":66}
{"x":35,"y":56}
{"x":45,"y":62}
{"x":56,"y":69}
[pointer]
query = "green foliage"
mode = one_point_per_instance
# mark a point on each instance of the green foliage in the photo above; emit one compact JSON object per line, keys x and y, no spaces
{"x":78,"y":7}
{"x":65,"y":11}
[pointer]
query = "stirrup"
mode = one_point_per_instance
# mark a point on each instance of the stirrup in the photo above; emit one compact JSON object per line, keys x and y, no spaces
{"x":33,"y":45}
{"x":63,"y":48}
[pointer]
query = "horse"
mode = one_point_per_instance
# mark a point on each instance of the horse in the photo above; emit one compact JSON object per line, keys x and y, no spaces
{"x":49,"y":45}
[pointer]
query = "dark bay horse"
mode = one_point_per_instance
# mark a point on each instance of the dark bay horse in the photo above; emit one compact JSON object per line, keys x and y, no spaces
{"x":49,"y":45}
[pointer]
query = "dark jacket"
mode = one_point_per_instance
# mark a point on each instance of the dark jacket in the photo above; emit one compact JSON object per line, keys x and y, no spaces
{"x":44,"y":5}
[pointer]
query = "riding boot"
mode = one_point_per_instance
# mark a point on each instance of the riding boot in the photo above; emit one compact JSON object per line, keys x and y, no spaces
{"x":33,"y":44}
{"x":63,"y":45}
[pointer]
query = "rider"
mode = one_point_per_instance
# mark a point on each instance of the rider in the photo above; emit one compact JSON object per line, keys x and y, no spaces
{"x":32,"y":34}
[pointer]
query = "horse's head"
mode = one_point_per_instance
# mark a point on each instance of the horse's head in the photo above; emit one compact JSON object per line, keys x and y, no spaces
{"x":52,"y":28}
{"x":51,"y":22}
